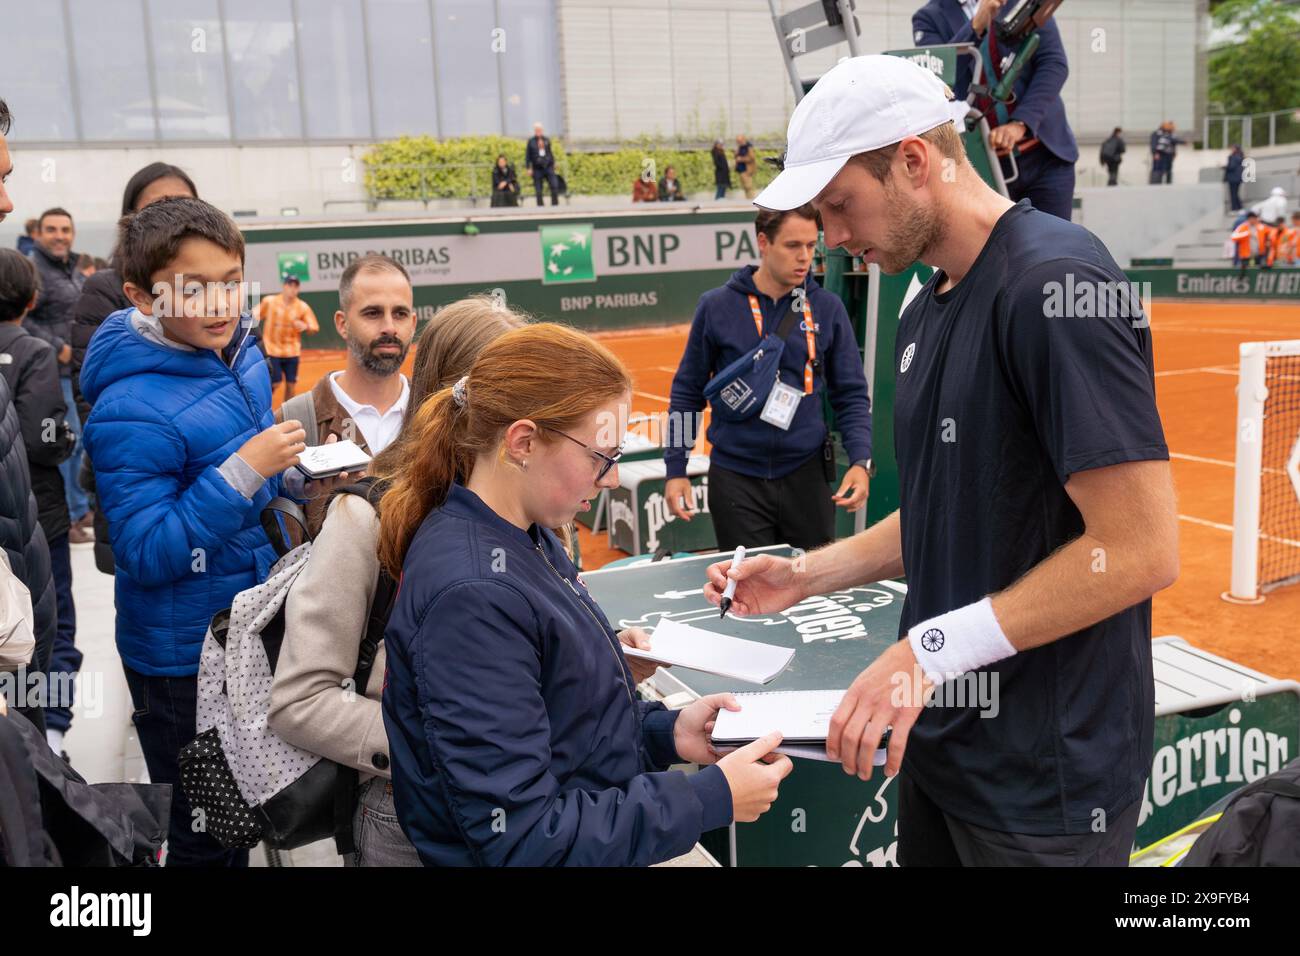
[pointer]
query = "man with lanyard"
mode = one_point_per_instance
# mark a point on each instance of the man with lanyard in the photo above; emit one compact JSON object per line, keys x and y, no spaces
{"x":1034,"y":124}
{"x":769,"y":472}
{"x":1036,"y":512}
{"x":1164,"y":147}
{"x":539,"y":160}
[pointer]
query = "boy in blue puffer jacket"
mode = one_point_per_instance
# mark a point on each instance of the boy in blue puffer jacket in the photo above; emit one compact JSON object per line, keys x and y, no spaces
{"x":186,"y":456}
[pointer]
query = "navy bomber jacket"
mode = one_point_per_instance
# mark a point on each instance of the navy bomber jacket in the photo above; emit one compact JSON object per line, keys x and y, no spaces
{"x":514,"y":730}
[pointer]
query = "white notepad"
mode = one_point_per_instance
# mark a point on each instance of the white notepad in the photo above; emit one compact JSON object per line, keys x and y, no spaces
{"x":802,"y":717}
{"x":812,"y":752}
{"x":324,"y":461}
{"x":752,"y":661}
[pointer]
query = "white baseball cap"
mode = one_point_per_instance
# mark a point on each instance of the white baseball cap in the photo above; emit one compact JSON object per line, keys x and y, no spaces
{"x":864,"y":103}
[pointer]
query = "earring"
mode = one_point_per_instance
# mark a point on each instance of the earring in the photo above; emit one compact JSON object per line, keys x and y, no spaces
{"x":523,"y":463}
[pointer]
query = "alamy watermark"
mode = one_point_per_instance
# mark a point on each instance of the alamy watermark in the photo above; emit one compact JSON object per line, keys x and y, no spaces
{"x":1098,"y":299}
{"x":977,"y":689}
{"x":25,"y":689}
{"x":189,"y":298}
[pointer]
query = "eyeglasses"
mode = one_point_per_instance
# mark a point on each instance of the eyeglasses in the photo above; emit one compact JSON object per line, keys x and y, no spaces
{"x":607,"y":461}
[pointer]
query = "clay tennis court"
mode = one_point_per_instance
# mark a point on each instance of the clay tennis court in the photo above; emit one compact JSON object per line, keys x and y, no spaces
{"x":1196,"y":377}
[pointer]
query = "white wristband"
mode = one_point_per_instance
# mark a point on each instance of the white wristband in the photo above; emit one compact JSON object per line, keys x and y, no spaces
{"x":959,"y":641}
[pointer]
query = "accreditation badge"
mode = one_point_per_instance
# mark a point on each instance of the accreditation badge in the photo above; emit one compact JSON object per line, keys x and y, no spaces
{"x":781,"y":404}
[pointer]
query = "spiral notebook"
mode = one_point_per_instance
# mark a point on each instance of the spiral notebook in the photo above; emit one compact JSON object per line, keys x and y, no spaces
{"x":802,"y":716}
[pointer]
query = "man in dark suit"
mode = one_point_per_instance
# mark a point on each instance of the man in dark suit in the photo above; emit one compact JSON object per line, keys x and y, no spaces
{"x":1037,"y":126}
{"x":540,"y":162}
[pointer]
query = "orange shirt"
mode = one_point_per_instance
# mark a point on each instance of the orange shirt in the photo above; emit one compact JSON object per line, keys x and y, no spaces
{"x":1287,"y":243}
{"x":283,"y":324}
{"x":1251,"y":240}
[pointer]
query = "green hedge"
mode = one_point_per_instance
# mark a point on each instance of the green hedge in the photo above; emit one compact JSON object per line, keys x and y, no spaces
{"x":437,"y":169}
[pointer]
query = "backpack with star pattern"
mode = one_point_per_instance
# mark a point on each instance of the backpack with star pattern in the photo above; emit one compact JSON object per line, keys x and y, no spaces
{"x":247,"y":784}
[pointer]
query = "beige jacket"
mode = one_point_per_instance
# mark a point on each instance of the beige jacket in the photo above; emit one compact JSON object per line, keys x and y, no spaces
{"x":312,"y":703}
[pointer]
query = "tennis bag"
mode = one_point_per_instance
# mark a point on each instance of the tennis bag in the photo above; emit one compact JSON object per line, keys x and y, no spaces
{"x":246,"y":782}
{"x":1260,"y":826}
{"x":741,"y":389}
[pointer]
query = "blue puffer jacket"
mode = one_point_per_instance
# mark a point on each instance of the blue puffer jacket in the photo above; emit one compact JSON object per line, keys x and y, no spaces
{"x":185,"y":541}
{"x":515,"y":735}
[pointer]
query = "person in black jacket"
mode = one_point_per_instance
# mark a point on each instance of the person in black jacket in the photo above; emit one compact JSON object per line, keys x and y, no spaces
{"x":505,"y":184}
{"x":51,"y":320}
{"x":100,"y":297}
{"x":670,"y":187}
{"x":1232,"y":175}
{"x":1112,"y":154}
{"x":31,"y":372}
{"x":721,"y":170}
{"x":539,"y":160}
{"x":20,"y":530}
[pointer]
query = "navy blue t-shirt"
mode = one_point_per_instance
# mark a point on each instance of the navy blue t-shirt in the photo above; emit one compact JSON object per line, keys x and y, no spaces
{"x":1007,"y":384}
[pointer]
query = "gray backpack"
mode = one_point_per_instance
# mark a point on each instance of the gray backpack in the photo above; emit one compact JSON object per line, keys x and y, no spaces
{"x":302,"y":408}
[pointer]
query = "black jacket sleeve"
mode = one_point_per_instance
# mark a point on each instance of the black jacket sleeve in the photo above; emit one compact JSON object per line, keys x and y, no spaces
{"x":43,"y":332}
{"x":101,"y":296}
{"x":41,"y":409}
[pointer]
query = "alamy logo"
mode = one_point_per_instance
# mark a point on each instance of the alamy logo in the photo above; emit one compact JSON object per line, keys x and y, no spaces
{"x":932,"y":640}
{"x":133,"y":910}
{"x":907,"y":358}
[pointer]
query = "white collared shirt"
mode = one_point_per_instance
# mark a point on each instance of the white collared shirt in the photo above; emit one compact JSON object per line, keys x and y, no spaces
{"x":969,"y":7}
{"x":377,"y":430}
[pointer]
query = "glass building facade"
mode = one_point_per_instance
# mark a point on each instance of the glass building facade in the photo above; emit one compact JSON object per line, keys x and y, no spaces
{"x":122,"y":72}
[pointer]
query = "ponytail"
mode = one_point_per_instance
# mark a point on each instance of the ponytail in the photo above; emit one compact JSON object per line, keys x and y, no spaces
{"x":436,"y":456}
{"x":549,"y":373}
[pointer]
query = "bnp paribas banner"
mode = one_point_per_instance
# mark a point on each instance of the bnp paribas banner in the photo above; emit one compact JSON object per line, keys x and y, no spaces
{"x":596,"y":272}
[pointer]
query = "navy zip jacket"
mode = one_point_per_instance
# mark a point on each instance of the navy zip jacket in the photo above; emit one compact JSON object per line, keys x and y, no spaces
{"x":723,"y":331}
{"x":1038,"y":102}
{"x":513,"y":727}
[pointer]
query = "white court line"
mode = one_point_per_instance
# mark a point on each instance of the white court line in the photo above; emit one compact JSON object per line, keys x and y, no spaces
{"x":1207,"y":461}
{"x":1219,"y":461}
{"x":657,"y":398}
{"x":1208,"y":524}
{"x":1206,"y":369}
{"x":1161,"y":327}
{"x":1218,"y":526}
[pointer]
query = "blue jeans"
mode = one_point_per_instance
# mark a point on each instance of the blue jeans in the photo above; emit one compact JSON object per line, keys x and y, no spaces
{"x":1046,"y":181}
{"x":164,"y":718}
{"x":64,"y":656}
{"x":720,"y":193}
{"x":378,"y":836}
{"x":78,"y":501}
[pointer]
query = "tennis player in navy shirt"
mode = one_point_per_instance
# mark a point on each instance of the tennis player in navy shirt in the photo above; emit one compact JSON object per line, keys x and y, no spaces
{"x":1036,"y":510}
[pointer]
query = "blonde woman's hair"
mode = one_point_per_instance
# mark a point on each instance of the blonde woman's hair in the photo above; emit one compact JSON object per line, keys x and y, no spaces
{"x":549,"y":373}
